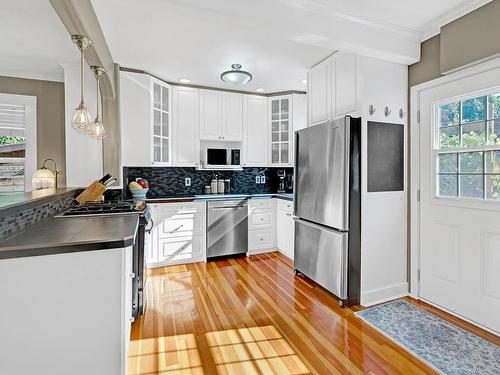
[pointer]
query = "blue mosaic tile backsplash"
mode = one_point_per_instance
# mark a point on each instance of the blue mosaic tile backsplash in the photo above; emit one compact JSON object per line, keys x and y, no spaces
{"x":169,"y":181}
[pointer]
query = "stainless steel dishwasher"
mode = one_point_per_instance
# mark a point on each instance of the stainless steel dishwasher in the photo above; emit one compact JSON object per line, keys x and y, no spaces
{"x":227,"y":230}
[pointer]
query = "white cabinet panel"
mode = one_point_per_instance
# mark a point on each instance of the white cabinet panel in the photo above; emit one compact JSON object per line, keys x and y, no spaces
{"x":180,"y":250}
{"x":345,"y":83}
{"x":186,"y":141}
{"x":262,"y":219}
{"x":135,"y":115}
{"x":210,"y":115}
{"x":284,"y":228}
{"x":260,"y":240}
{"x":232,"y":116}
{"x":319,"y":92}
{"x":256,"y":139}
{"x":181,"y":225}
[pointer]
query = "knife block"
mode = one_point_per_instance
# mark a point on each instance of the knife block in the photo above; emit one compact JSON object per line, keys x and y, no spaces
{"x":92,"y":194}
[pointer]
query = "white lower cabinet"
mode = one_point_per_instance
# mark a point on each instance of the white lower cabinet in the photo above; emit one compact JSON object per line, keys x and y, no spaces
{"x":179,"y":234}
{"x":261,"y":225}
{"x":285,"y":229}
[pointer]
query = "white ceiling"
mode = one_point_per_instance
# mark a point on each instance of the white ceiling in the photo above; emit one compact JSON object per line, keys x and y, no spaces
{"x":276,"y":40}
{"x":33,"y":41}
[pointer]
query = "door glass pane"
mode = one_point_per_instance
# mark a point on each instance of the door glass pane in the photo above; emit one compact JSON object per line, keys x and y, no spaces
{"x":275,"y":109}
{"x":494,"y":132}
{"x":275,"y":153}
{"x":492,"y":162}
{"x":284,"y":152}
{"x":449,"y":114}
{"x":284,"y":108}
{"x":156,"y":122}
{"x":471,"y":162}
{"x":447,"y":163}
{"x":284,"y":126}
{"x":494,"y":106}
{"x":474,"y":109}
{"x":12,"y":143}
{"x":449,"y":137}
{"x":447,"y":185}
{"x":473,"y":134}
{"x":164,"y":98}
{"x":164,"y":124}
{"x":11,"y":177}
{"x":164,"y":150}
{"x":493,"y":187}
{"x":275,"y":126}
{"x":156,"y":96}
{"x":471,"y":186}
{"x":275,"y":137}
{"x":284,"y":136}
{"x":156,"y":149}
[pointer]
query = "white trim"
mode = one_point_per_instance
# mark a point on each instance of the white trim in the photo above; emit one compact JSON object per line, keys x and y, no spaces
{"x":415,"y":160}
{"x":377,"y":296}
{"x":262,"y":251}
{"x":434,"y":27}
{"x":35,"y":76}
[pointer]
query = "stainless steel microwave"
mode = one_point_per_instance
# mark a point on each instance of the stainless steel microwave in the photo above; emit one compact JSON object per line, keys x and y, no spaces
{"x":222,"y":158}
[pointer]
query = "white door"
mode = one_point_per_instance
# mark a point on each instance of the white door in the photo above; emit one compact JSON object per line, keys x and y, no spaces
{"x":185,"y":140}
{"x":256,"y":141}
{"x":210,"y":121}
{"x":232,"y":117}
{"x":460,"y":198}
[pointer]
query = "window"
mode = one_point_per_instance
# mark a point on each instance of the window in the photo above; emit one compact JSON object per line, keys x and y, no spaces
{"x":468,"y":148}
{"x":161,"y":124}
{"x":17,"y":142}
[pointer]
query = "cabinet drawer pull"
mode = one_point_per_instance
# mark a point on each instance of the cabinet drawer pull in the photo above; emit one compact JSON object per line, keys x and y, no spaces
{"x":178,"y":228}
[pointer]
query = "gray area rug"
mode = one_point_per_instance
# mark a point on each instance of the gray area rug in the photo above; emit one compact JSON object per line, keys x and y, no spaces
{"x":444,"y":346}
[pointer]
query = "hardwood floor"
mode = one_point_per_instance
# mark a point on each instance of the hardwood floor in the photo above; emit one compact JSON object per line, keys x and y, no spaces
{"x":252,"y":316}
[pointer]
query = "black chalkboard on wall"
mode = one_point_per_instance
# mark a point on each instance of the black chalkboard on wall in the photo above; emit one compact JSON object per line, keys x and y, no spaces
{"x":385,"y":157}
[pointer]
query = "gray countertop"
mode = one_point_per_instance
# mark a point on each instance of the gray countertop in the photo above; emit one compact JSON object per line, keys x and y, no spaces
{"x":67,"y":235}
{"x":10,"y":203}
{"x":207,"y":197}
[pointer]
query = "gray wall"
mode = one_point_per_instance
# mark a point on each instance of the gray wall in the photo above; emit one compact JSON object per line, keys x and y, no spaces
{"x":50,"y":117}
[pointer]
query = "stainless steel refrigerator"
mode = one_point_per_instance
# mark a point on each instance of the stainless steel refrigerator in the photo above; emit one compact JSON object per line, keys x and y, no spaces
{"x":327,"y":198}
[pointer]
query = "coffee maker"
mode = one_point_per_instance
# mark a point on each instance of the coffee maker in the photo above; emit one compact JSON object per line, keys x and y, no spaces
{"x":284,"y":181}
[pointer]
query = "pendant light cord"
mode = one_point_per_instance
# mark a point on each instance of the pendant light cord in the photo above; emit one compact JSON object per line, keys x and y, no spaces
{"x":98,"y":90}
{"x":81,"y":73}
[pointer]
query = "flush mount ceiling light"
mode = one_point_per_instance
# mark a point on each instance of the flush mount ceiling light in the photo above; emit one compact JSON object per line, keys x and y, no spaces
{"x":236,"y":76}
{"x":304,"y":81}
{"x":81,"y":118}
{"x":260,"y":89}
{"x":96,"y":129}
{"x":184,"y":80}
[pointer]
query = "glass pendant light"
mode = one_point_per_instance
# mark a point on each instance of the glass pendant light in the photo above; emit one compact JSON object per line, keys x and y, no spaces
{"x":96,"y":128}
{"x":81,"y":118}
{"x":236,"y":76}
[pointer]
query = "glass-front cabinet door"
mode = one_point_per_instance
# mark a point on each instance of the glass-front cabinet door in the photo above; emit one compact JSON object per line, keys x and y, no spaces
{"x":161,"y":123}
{"x":280,"y":131}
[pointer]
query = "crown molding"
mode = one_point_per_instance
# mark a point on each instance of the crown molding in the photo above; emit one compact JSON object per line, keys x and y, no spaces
{"x":434,"y":27}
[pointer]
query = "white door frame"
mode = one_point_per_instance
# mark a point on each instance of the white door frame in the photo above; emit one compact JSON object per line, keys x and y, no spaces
{"x":415,"y":161}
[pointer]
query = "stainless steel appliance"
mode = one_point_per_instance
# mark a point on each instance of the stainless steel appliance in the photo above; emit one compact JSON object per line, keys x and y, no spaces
{"x":222,"y":158}
{"x":327,"y":198}
{"x":140,"y":246}
{"x":227,"y":232}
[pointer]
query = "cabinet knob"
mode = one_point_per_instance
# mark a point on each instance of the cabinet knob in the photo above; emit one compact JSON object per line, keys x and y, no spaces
{"x":132,"y":319}
{"x":132,"y":275}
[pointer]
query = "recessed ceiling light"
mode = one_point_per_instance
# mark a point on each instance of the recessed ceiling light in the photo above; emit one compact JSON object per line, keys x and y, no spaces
{"x":184,"y":80}
{"x":236,"y":76}
{"x":304,"y":81}
{"x":260,"y":89}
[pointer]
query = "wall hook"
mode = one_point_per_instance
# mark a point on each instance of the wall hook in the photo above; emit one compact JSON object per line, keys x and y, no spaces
{"x":387,"y":111}
{"x":401,"y":113}
{"x":371,"y":110}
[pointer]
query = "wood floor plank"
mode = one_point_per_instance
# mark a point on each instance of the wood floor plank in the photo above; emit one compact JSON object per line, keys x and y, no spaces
{"x":253,"y":316}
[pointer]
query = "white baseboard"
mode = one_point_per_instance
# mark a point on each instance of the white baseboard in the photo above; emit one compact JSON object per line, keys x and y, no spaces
{"x":374,"y":297}
{"x":260,"y":251}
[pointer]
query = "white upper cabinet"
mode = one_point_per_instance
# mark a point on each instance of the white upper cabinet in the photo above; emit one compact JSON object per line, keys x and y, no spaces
{"x":145,"y":120}
{"x":186,"y":143}
{"x":345,"y":84}
{"x":256,"y":137}
{"x":281,"y":131}
{"x":319,"y":92}
{"x":221,"y":116}
{"x":135,"y":118}
{"x":232,"y":116}
{"x":210,"y":115}
{"x":332,"y":88}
